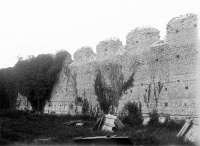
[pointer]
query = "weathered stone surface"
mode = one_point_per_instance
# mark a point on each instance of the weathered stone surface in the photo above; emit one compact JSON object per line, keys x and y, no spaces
{"x":140,"y":39}
{"x":182,"y":30}
{"x":172,"y":61}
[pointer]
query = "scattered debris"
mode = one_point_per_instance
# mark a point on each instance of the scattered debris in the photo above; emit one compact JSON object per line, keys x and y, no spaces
{"x":77,"y":123}
{"x":162,"y":119}
{"x":103,"y":140}
{"x":146,"y":121}
{"x":42,"y":140}
{"x":108,"y":123}
{"x":190,"y":131}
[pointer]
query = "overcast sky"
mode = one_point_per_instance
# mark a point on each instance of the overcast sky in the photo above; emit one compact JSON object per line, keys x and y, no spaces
{"x":32,"y":27}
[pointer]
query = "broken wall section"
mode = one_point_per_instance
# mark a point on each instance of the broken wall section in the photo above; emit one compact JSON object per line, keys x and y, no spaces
{"x":137,"y":48}
{"x":107,"y":48}
{"x":140,"y":39}
{"x":84,"y":68}
{"x":173,"y":62}
{"x":62,"y":101}
{"x":23,"y":103}
{"x":182,"y":30}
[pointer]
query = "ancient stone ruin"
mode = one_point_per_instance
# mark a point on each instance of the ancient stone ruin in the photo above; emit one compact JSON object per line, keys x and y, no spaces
{"x":167,"y":67}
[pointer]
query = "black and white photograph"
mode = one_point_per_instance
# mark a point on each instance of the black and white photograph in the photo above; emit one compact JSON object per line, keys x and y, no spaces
{"x":99,"y":72}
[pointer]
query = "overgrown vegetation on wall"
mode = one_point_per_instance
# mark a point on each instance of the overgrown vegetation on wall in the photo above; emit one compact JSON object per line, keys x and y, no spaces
{"x":109,"y":92}
{"x":153,"y":90}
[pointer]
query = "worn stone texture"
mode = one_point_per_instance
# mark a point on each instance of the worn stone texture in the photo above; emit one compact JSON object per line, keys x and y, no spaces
{"x":182,"y":30}
{"x":172,"y":61}
{"x":23,"y":103}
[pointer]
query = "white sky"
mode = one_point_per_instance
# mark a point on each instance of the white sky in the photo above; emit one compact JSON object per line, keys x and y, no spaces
{"x":32,"y":27}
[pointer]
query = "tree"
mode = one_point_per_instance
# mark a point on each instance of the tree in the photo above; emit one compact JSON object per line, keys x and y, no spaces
{"x":37,"y":75}
{"x":8,"y":88}
{"x":85,"y":106}
{"x":4,"y":100}
{"x":109,"y":93}
{"x":102,"y":93}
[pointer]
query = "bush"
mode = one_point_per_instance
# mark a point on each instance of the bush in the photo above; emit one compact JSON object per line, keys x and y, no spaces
{"x":173,"y":125}
{"x":154,"y":118}
{"x":134,"y":116}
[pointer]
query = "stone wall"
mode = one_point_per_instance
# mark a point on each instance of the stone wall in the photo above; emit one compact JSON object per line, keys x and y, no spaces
{"x":174,"y":63}
{"x":107,"y":48}
{"x":182,"y":30}
{"x":171,"y":62}
{"x":23,"y":103}
{"x":140,"y":39}
{"x":79,"y":75}
{"x":62,"y":101}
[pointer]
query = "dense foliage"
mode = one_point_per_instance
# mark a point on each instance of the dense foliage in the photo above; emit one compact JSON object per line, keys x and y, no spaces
{"x":134,"y":114}
{"x":154,"y":118}
{"x":8,"y":88}
{"x":85,"y":107}
{"x":33,"y":77}
{"x":102,"y":91}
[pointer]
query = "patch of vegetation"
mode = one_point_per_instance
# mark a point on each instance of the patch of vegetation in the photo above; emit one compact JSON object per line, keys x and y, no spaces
{"x":174,"y":125}
{"x":134,"y":116}
{"x":85,"y":107}
{"x":154,"y":118}
{"x":20,"y":127}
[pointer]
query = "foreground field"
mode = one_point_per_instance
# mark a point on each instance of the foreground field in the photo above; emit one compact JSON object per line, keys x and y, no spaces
{"x":18,"y":127}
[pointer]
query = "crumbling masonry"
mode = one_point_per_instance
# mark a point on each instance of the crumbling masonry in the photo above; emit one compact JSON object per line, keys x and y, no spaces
{"x":171,"y":63}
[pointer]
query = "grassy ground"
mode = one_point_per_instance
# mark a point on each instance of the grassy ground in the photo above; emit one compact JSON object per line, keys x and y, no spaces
{"x":18,"y":127}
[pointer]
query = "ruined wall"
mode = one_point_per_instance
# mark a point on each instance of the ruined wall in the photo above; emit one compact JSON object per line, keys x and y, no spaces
{"x":182,"y":30}
{"x":171,"y":62}
{"x":23,"y":103}
{"x":180,"y":58}
{"x":62,"y":101}
{"x":85,"y":74}
{"x":176,"y":68}
{"x":140,"y":39}
{"x":107,"y":48}
{"x":80,"y":72}
{"x":137,"y":47}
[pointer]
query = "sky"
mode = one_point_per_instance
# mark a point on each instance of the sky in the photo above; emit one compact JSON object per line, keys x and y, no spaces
{"x":32,"y":27}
